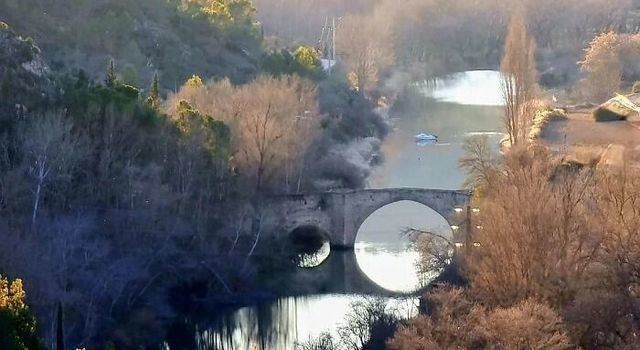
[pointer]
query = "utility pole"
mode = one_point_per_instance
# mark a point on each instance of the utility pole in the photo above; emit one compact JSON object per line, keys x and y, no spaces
{"x":468,"y":241}
{"x":322,"y":43}
{"x":327,"y":44}
{"x":333,"y":40}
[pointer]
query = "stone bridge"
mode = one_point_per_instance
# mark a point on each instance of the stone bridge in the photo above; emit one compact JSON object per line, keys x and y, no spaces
{"x":340,"y":214}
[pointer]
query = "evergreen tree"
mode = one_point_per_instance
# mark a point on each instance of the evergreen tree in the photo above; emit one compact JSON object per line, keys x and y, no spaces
{"x":153,"y":100}
{"x":194,"y":82}
{"x":59,"y":330}
{"x":111,"y":74}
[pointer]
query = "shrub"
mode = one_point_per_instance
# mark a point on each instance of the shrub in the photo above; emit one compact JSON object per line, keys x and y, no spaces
{"x":304,"y":62}
{"x":455,"y":321}
{"x":556,"y":114}
{"x":542,"y":118}
{"x":194,"y":82}
{"x":307,"y":57}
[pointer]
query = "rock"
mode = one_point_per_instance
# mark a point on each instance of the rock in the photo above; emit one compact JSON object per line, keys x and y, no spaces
{"x":25,"y":78}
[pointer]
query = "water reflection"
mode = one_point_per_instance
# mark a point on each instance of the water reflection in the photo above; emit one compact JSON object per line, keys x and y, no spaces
{"x":310,"y":245}
{"x":287,"y":321}
{"x":314,"y":259}
{"x":424,"y":143}
{"x":479,"y":88}
{"x":436,"y":166}
{"x":386,"y":254}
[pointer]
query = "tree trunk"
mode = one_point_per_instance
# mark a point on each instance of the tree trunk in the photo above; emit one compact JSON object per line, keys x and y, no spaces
{"x":36,"y":199}
{"x":60,"y":329}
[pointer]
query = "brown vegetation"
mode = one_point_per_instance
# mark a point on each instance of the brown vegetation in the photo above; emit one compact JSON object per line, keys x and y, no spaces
{"x":273,"y":122}
{"x":557,"y":240}
{"x":603,"y":67}
{"x":455,"y":321}
{"x":366,"y":48}
{"x":610,"y":61}
{"x":537,"y":241}
{"x":435,"y":37}
{"x":519,"y":82}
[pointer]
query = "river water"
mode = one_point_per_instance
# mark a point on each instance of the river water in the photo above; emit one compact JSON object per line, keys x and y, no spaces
{"x":454,"y":108}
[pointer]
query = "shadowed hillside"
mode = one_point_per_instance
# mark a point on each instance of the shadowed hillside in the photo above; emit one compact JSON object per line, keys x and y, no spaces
{"x":142,"y":37}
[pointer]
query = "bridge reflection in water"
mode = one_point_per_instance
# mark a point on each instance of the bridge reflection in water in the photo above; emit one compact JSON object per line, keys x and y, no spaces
{"x":338,"y":282}
{"x":283,"y":323}
{"x":340,"y":273}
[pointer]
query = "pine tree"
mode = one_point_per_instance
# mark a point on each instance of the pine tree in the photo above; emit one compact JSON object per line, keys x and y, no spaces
{"x":153,"y":100}
{"x":59,"y":330}
{"x":111,"y":74}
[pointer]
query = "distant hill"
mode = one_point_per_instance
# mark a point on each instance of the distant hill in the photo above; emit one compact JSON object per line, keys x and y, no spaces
{"x":141,"y":36}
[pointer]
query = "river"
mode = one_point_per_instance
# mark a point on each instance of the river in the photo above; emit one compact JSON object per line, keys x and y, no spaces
{"x":454,"y":108}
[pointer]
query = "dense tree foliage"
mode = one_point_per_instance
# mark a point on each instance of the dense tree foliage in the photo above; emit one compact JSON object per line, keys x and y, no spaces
{"x":175,"y":38}
{"x":104,"y":182}
{"x":17,"y":324}
{"x":304,"y":61}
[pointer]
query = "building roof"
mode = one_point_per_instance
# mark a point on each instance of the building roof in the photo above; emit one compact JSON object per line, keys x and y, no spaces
{"x":622,"y":105}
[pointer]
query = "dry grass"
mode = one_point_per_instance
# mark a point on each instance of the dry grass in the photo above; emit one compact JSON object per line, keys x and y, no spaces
{"x":579,"y":138}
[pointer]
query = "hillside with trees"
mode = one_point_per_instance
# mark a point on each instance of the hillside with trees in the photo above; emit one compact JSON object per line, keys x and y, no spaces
{"x":176,"y":38}
{"x":99,"y":160}
{"x":139,"y":140}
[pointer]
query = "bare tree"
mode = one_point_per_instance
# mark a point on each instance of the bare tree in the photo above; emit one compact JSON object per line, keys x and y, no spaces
{"x":614,"y":301}
{"x":51,"y":152}
{"x":273,"y":121}
{"x":367,"y":322}
{"x":366,"y":47}
{"x":519,"y":80}
{"x":478,"y":162}
{"x":536,"y":240}
{"x":603,"y":67}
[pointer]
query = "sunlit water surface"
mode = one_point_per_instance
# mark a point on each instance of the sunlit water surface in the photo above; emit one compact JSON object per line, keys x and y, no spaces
{"x":454,"y":108}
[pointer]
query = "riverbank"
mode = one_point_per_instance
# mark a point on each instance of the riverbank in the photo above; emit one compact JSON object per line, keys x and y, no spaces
{"x":580,"y":139}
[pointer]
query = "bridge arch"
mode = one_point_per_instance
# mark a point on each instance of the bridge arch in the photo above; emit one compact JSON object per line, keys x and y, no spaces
{"x":363,"y":204}
{"x":366,"y":215}
{"x":308,"y":236}
{"x":380,"y":237}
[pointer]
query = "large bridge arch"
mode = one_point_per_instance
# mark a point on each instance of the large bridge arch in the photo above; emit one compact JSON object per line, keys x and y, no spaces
{"x":362,"y":204}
